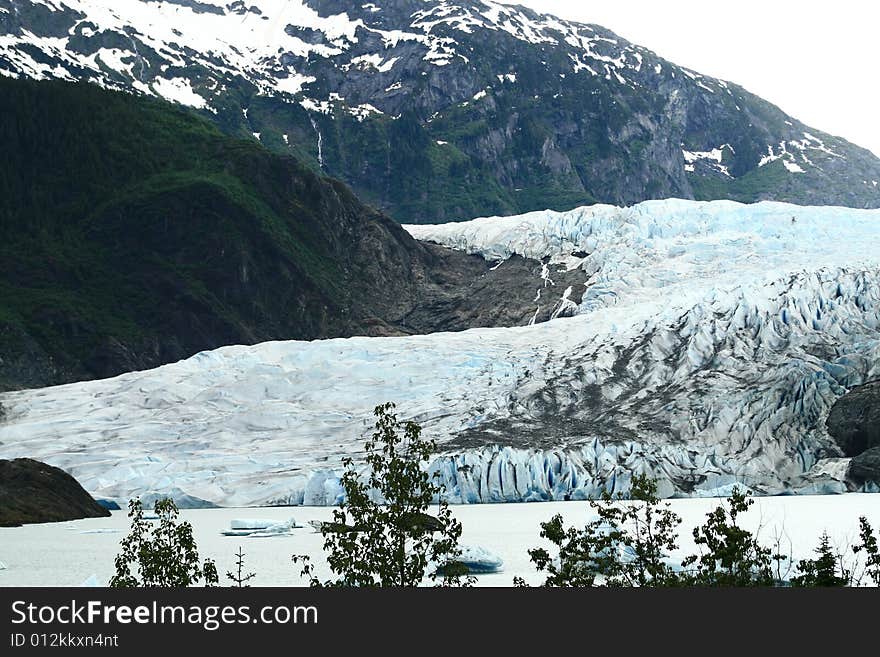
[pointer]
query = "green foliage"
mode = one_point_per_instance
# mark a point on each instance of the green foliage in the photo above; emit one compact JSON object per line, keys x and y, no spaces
{"x":824,"y":570}
{"x":239,"y":578}
{"x":769,"y":180}
{"x":131,"y":227}
{"x":732,"y":556}
{"x":629,"y":543}
{"x":164,"y":555}
{"x":626,"y":545}
{"x":868,"y":546}
{"x":381,"y":534}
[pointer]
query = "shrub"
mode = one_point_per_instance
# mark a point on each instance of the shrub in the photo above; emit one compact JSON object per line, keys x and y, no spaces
{"x":164,"y":555}
{"x":732,"y":556}
{"x":626,"y":545}
{"x":381,"y":534}
{"x":868,"y":545}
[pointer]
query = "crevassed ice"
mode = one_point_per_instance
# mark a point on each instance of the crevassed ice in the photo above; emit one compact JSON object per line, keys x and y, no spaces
{"x":710,"y":343}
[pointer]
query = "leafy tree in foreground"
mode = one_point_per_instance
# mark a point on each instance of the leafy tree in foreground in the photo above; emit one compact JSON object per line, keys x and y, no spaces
{"x":163,"y":555}
{"x":868,"y":545}
{"x":732,"y":556}
{"x":824,"y":570}
{"x":626,"y":545}
{"x":382,"y":534}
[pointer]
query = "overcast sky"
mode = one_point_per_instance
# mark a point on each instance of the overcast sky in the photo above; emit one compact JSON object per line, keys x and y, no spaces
{"x":818,"y":61}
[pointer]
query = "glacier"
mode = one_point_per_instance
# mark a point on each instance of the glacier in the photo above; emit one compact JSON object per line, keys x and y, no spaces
{"x":710,"y":343}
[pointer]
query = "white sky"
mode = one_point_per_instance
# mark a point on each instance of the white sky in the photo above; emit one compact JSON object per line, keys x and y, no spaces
{"x":818,"y":61}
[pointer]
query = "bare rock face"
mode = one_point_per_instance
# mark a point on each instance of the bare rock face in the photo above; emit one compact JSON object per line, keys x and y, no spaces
{"x":865,"y":468}
{"x":31,"y":492}
{"x":854,"y":421}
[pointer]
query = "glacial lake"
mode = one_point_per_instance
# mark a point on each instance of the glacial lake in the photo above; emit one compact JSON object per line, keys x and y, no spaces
{"x":69,"y":553}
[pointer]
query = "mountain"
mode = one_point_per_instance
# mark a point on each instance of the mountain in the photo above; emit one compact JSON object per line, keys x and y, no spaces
{"x":707,"y":345}
{"x":133,"y":233}
{"x":441,"y":111}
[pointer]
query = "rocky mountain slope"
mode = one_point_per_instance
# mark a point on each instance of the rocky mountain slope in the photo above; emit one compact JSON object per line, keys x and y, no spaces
{"x":445,"y":110}
{"x":133,"y":233}
{"x":707,"y":347}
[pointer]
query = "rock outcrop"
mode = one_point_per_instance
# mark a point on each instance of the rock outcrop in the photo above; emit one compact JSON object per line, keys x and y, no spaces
{"x":32,"y":492}
{"x":865,"y":468}
{"x":854,"y":421}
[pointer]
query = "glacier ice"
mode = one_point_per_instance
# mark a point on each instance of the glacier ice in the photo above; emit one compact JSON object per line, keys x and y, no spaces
{"x":91,"y":581}
{"x":479,"y":560}
{"x":251,"y":523}
{"x":707,"y":349}
{"x":260,"y":528}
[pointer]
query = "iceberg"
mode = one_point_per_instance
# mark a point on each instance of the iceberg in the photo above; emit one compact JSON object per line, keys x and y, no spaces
{"x":91,"y":581}
{"x":478,"y":560}
{"x":251,"y":523}
{"x":260,"y":528}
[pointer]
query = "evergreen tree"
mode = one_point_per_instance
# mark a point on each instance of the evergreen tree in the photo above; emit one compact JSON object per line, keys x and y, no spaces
{"x":823,"y":570}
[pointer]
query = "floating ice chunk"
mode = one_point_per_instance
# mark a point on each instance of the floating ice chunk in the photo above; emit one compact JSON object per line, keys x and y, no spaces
{"x":477,"y":559}
{"x":252,"y":523}
{"x":260,"y":528}
{"x":278,"y":529}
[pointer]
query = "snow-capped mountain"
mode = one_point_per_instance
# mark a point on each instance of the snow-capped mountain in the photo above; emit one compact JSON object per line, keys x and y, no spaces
{"x":708,"y":345}
{"x":445,"y":109}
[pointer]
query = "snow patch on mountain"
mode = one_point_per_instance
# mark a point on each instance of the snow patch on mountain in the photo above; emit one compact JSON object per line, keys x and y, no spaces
{"x":178,"y":90}
{"x":713,"y":159}
{"x":260,"y":41}
{"x":789,"y":157}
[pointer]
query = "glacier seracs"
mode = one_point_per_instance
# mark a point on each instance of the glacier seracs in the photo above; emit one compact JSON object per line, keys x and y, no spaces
{"x":710,"y":343}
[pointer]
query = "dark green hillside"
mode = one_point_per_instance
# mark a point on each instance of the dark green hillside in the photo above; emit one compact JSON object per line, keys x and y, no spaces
{"x":133,"y":233}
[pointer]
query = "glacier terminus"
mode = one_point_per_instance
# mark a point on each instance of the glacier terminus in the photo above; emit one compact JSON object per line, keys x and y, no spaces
{"x":709,"y":344}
